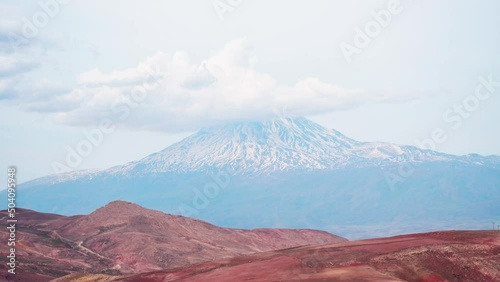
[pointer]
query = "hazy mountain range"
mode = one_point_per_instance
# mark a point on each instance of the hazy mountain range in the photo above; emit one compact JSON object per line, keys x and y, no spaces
{"x":293,"y":173}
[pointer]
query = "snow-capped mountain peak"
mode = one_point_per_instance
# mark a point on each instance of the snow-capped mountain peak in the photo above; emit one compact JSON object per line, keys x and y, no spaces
{"x":273,"y":145}
{"x":276,"y":145}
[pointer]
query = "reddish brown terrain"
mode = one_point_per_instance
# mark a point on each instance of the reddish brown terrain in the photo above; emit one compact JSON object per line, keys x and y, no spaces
{"x":430,"y":257}
{"x":124,"y":238}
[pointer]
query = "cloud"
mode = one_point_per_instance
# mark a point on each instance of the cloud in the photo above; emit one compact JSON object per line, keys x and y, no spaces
{"x":12,"y":71}
{"x":127,"y":77}
{"x":11,"y":35}
{"x":15,"y":61}
{"x":8,"y":27}
{"x":8,"y":89}
{"x":172,"y":93}
{"x":14,"y":65}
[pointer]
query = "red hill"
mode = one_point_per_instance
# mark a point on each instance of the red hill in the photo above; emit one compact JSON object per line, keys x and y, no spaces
{"x":122,"y":238}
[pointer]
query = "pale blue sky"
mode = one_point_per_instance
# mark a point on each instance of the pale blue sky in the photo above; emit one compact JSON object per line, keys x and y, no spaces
{"x":262,"y":58}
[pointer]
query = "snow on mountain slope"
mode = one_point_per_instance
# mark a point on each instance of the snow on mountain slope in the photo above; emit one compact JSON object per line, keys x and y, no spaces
{"x":64,"y":177}
{"x":289,"y":173}
{"x":280,"y":144}
{"x":275,"y":145}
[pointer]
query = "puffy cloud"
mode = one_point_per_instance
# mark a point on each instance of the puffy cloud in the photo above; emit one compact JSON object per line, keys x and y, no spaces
{"x":172,"y":93}
{"x":127,"y":77}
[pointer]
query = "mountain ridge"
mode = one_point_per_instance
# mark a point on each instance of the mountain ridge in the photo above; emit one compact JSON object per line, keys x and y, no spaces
{"x":268,"y":146}
{"x":290,"y":173}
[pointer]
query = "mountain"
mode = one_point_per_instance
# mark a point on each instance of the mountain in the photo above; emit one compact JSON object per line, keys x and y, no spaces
{"x":293,"y":173}
{"x":270,"y":146}
{"x":437,"y":256}
{"x":122,"y":238}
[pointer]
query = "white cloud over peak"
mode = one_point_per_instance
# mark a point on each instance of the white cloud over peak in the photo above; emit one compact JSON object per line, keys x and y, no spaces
{"x":173,"y":93}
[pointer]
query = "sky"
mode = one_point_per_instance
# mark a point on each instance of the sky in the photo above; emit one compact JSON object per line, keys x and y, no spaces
{"x":132,"y":77}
